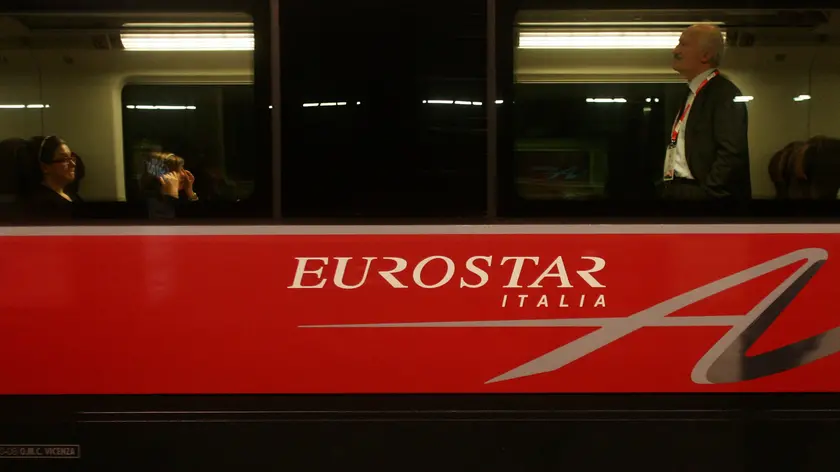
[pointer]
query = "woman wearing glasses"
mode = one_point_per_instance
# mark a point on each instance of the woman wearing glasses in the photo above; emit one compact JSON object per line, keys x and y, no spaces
{"x":51,"y":171}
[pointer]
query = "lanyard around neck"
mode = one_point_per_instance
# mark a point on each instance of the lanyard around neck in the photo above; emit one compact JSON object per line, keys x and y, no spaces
{"x":675,"y":131}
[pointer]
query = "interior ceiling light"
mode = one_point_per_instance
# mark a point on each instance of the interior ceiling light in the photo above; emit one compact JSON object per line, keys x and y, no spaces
{"x":606,"y":100}
{"x":599,"y":39}
{"x":187,"y":37}
{"x":622,"y":24}
{"x":21,"y":106}
{"x":160,"y":107}
{"x":326,"y":104}
{"x":453,"y":102}
{"x":188,"y":25}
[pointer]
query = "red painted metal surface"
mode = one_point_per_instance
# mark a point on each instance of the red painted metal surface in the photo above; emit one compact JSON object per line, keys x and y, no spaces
{"x":220,"y":314}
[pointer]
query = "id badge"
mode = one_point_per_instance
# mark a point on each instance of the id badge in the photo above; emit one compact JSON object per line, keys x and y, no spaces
{"x":668,"y":173}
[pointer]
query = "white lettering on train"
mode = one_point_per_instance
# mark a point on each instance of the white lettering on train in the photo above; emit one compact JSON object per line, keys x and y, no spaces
{"x":301,"y":271}
{"x":726,"y":361}
{"x":483,"y":277}
{"x":561,"y":301}
{"x":427,"y":272}
{"x":418,"y":272}
{"x":60,"y":451}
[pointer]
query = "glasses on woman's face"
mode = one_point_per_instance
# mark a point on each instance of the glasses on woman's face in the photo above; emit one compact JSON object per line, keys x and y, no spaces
{"x":67,"y":161}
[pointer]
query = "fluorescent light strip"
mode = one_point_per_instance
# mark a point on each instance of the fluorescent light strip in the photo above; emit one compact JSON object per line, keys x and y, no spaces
{"x":606,"y":100}
{"x":189,"y":25}
{"x":457,"y":102}
{"x":327,"y":104}
{"x":36,"y":106}
{"x":596,"y":40}
{"x":160,"y":107}
{"x":743,"y":98}
{"x":801,"y":98}
{"x":192,"y":41}
{"x":635,"y":24}
{"x":432,"y":102}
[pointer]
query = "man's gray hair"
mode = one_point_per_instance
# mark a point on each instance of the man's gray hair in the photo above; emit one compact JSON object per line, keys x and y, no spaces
{"x":713,"y":42}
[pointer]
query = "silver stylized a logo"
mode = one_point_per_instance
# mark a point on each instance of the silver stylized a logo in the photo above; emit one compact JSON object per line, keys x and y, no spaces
{"x":725,"y":362}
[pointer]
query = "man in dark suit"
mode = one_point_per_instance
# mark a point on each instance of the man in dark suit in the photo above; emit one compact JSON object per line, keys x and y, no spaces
{"x":708,"y":155}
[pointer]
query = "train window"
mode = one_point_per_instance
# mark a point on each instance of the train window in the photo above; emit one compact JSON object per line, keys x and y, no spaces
{"x":578,"y":154}
{"x":135,"y":115}
{"x":212,"y":125}
{"x":599,"y":96}
{"x":383,"y":108}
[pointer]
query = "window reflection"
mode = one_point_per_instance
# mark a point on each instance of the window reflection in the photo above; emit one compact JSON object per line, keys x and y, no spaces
{"x":588,"y":124}
{"x":587,"y":141}
{"x":210,"y":126}
{"x":114,"y":86}
{"x":383,"y":111}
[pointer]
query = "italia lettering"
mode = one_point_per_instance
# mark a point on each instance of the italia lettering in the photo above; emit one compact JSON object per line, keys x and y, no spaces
{"x":525,"y":300}
{"x":436,"y":271}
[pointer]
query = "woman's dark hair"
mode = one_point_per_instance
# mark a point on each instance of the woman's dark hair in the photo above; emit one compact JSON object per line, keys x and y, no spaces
{"x":787,"y":171}
{"x":822,"y":162}
{"x":807,"y":170}
{"x":42,"y":148}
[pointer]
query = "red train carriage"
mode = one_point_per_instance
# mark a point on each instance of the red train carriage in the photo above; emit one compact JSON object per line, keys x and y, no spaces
{"x":319,"y":234}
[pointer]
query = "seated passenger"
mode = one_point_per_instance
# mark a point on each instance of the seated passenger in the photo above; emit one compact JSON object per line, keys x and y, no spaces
{"x":822,"y":165}
{"x":787,"y":171}
{"x":49,"y":168}
{"x":167,"y":185}
{"x":807,"y":170}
